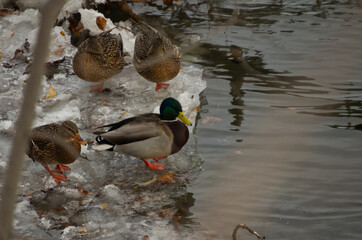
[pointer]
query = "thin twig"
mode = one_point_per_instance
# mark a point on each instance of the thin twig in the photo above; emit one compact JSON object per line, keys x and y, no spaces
{"x":243,"y":226}
{"x":127,"y":29}
{"x":26,"y":117}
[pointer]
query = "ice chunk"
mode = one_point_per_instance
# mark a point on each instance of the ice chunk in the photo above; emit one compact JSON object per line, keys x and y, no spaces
{"x":45,"y":223}
{"x":18,"y":28}
{"x":5,"y":125}
{"x":69,"y":6}
{"x":88,"y":19}
{"x":60,"y":47}
{"x":24,"y":4}
{"x":112,"y":192}
{"x":68,"y":111}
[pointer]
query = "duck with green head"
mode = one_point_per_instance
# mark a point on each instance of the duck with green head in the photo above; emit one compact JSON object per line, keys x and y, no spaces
{"x":149,"y":135}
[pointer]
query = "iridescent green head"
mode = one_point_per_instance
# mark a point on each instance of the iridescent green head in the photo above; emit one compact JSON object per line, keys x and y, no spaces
{"x":171,"y":109}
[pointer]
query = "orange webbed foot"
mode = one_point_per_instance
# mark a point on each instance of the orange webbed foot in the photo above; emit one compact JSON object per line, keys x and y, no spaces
{"x":61,"y":168}
{"x":161,"y":86}
{"x":154,"y":166}
{"x":57,"y":177}
{"x":97,"y":87}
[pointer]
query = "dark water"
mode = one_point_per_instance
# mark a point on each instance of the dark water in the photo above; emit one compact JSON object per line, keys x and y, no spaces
{"x":277,"y":129}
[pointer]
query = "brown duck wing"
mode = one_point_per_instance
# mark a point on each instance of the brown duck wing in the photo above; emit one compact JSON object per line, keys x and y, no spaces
{"x":112,"y":45}
{"x":151,"y":44}
{"x":42,"y":148}
{"x":144,"y":43}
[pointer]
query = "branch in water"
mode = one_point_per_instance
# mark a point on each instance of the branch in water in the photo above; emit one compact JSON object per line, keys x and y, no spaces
{"x":243,"y":226}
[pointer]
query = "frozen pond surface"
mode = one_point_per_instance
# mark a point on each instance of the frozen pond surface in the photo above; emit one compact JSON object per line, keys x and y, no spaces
{"x":108,"y":195}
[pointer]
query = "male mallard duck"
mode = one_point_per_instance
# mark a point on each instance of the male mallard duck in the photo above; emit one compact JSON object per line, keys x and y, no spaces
{"x":55,"y":144}
{"x":99,"y":58}
{"x":149,"y":135}
{"x":155,"y":57}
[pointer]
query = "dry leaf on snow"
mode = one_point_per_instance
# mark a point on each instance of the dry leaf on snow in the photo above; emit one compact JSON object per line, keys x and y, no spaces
{"x":59,"y":51}
{"x":51,"y":93}
{"x":197,"y":108}
{"x":101,"y":22}
{"x":167,"y":177}
{"x":82,"y":229}
{"x":104,"y":206}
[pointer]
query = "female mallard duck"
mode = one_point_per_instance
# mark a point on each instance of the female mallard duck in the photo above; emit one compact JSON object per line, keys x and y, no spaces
{"x":155,"y":57}
{"x":99,"y":58}
{"x":149,"y":135}
{"x":55,"y":144}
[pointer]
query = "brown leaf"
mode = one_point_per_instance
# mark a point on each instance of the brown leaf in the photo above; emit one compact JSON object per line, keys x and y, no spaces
{"x":59,"y":209}
{"x":78,"y":28}
{"x":7,"y":65}
{"x":123,"y":114}
{"x":82,"y":229}
{"x":40,"y":212}
{"x":209,"y":120}
{"x":197,"y":108}
{"x":5,"y":11}
{"x":62,"y":33}
{"x":17,"y":52}
{"x":177,"y":217}
{"x":101,"y":22}
{"x":59,"y":51}
{"x":164,"y":212}
{"x":104,"y":206}
{"x":104,"y":101}
{"x":238,"y":152}
{"x":51,"y":93}
{"x":168,"y":177}
{"x":81,"y":190}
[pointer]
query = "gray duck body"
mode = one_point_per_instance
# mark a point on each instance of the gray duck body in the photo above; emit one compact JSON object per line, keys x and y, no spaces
{"x":146,"y":136}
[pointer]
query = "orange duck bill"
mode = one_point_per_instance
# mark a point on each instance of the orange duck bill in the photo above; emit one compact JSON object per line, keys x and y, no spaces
{"x":80,"y":140}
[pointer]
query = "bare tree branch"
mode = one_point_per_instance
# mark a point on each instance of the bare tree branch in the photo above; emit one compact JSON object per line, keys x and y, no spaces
{"x":243,"y":226}
{"x":26,"y":116}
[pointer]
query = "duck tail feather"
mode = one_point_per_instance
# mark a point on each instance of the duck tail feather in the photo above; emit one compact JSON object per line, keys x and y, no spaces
{"x":103,"y":144}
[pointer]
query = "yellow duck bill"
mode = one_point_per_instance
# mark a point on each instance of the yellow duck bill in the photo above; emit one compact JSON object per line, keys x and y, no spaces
{"x":184,"y":119}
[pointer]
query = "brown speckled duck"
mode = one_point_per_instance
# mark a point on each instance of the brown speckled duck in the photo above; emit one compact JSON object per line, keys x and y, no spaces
{"x":55,"y":144}
{"x":99,"y":58}
{"x":155,"y":57}
{"x":149,"y":135}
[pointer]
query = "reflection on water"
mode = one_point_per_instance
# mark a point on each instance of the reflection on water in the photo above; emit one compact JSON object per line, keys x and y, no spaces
{"x":284,"y":91}
{"x":347,"y":108}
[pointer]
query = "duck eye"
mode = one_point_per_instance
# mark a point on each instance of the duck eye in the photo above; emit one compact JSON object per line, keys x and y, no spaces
{"x":71,"y":130}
